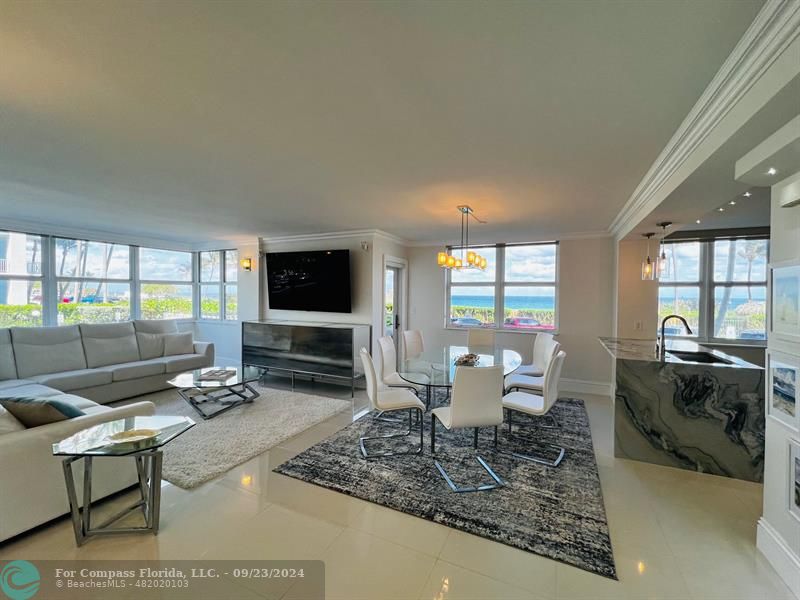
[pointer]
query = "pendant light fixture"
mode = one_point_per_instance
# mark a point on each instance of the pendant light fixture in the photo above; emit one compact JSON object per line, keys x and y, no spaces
{"x":467,"y":259}
{"x":663,"y":263}
{"x":649,"y":265}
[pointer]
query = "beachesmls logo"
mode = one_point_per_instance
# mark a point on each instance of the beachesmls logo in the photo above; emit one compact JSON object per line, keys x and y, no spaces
{"x":19,"y":580}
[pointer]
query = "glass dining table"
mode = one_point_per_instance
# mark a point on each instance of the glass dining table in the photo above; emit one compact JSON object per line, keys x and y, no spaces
{"x":436,"y":366}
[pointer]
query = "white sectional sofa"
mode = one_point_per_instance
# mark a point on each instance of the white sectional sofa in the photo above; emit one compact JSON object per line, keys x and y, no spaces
{"x":86,"y":366}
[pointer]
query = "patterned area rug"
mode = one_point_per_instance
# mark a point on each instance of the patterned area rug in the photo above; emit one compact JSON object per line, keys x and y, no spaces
{"x":213,"y":447}
{"x":554,"y":512}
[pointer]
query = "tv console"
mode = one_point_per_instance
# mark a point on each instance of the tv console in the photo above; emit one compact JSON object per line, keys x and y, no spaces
{"x":329,"y":351}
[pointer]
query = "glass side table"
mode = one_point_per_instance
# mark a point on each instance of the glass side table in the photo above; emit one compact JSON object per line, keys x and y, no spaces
{"x":140,"y":438}
{"x":221,"y":395}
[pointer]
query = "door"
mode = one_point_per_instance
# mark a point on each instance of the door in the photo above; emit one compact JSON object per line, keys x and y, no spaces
{"x":392,"y":304}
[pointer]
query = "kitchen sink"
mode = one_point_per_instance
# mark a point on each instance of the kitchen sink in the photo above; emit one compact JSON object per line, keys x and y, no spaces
{"x":699,"y":357}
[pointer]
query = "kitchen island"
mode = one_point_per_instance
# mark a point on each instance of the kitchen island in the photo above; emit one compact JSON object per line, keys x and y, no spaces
{"x":697,"y":408}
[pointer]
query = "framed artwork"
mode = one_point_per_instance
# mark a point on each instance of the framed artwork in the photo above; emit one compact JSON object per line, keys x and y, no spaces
{"x":783,"y":379}
{"x":785,"y":300}
{"x":794,"y":479}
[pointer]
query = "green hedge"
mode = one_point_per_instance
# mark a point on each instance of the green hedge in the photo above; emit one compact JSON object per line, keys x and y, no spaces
{"x":486,"y":315}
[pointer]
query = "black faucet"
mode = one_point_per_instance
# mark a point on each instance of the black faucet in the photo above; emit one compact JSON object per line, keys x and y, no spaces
{"x":661,"y":348}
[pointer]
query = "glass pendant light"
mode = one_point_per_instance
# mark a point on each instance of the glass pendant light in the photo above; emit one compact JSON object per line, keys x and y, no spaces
{"x":663,"y":263}
{"x":469,"y":259}
{"x":649,"y":265}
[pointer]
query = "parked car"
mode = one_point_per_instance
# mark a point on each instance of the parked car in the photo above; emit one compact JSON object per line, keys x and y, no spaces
{"x":466,"y":322}
{"x":526,"y":323}
{"x":523,"y":322}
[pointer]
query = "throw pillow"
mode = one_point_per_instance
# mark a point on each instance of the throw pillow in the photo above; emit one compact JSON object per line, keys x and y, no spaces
{"x":151,"y":345}
{"x":178,"y":343}
{"x":34,"y":412}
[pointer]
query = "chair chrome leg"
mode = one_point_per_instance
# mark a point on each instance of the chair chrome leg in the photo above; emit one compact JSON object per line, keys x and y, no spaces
{"x":433,"y":434}
{"x":536,"y":459}
{"x":498,"y":483}
{"x":362,"y":441}
{"x":542,"y":461}
{"x":555,"y":424}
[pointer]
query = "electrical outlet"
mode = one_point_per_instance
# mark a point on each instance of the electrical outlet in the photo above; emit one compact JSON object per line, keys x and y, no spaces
{"x":637,"y":325}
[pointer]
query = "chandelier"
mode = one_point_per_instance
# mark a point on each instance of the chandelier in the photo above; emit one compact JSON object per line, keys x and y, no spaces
{"x":468,"y":259}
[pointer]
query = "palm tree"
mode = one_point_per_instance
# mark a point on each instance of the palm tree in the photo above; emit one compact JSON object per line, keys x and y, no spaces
{"x":752,"y":250}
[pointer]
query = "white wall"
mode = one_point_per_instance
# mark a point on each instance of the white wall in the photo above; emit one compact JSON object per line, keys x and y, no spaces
{"x":637,"y":300}
{"x":778,"y":531}
{"x":585,"y":305}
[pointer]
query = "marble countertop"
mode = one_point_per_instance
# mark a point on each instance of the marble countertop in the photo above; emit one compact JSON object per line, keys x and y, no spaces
{"x":630,"y":349}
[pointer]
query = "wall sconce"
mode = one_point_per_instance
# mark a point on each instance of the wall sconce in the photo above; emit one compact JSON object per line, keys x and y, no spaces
{"x":365,"y":246}
{"x":246,"y":264}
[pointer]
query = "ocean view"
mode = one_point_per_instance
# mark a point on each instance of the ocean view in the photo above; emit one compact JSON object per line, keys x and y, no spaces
{"x":540,"y":302}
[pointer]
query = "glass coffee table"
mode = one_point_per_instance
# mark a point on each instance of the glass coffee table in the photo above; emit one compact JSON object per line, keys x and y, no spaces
{"x":201,"y":388}
{"x":140,"y":438}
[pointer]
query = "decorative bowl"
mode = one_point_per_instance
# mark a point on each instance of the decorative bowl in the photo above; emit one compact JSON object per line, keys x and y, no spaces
{"x":134,"y":435}
{"x":467,"y":360}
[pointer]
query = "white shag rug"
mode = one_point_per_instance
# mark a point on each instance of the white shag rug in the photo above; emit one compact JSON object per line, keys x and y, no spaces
{"x":215,"y":446}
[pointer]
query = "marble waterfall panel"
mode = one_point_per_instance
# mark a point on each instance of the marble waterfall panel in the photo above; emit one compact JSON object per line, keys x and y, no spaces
{"x":691,"y":416}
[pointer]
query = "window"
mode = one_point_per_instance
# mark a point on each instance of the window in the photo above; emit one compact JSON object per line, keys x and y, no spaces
{"x":218,"y":287}
{"x":166,"y":287}
{"x":740,"y":289}
{"x":519,"y":283}
{"x":719,"y":286}
{"x":679,"y":290}
{"x":20,"y":279}
{"x":93,"y":282}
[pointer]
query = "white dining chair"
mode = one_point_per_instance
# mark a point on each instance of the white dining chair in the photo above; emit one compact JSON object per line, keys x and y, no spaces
{"x":480,"y":337}
{"x":476,"y":402}
{"x":414,"y":345}
{"x":538,"y":406}
{"x":384,"y":399}
{"x":519,"y":381}
{"x":389,"y":374}
{"x":543,"y":350}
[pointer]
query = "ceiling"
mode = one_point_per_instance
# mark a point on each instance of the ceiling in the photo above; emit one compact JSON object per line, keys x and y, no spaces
{"x":219,"y":120}
{"x":713,"y":184}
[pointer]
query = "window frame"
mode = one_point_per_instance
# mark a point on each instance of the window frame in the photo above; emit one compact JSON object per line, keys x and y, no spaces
{"x":41,"y":278}
{"x":708,"y":286}
{"x":222,"y":284}
{"x":193,"y":282}
{"x":57,"y":279}
{"x":499,"y":284}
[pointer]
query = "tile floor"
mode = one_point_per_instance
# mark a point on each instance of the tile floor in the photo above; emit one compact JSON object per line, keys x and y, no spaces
{"x":675,"y":535}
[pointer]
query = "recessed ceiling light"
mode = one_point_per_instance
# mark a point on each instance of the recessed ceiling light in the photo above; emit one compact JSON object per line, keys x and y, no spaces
{"x":721,"y":209}
{"x":698,"y":221}
{"x":772,"y":171}
{"x":732,"y":202}
{"x":747,"y":194}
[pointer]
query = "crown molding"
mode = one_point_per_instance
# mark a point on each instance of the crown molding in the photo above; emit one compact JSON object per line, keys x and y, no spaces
{"x":335,"y":235}
{"x":775,"y":27}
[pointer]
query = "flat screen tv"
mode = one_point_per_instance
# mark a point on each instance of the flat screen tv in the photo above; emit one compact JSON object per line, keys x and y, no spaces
{"x":314,"y":281}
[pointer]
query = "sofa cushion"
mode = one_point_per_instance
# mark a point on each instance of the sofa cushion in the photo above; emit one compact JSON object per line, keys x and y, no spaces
{"x":75,"y":380}
{"x":8,"y":422}
{"x":155,"y":326}
{"x":178,"y":343}
{"x":29,"y":389}
{"x":151,"y":345}
{"x":135,"y":370}
{"x":34,"y":412}
{"x":109,"y":344}
{"x":8,"y":368}
{"x":76,"y":401}
{"x":39,"y":350}
{"x":184,"y":362}
{"x":12,"y":383}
